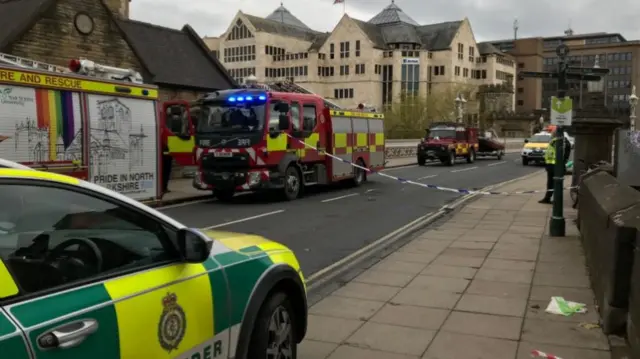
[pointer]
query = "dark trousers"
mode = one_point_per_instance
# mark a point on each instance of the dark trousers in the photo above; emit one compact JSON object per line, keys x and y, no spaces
{"x":550,"y":169}
{"x":167,"y":162}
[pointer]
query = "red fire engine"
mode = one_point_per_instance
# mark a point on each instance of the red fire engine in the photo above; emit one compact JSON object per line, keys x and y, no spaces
{"x":254,"y":139}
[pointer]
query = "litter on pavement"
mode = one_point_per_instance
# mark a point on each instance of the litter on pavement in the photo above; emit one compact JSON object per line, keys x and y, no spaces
{"x":559,"y":305}
{"x":539,"y":354}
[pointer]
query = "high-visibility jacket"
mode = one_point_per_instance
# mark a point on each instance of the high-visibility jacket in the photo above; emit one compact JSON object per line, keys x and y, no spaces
{"x":550,"y":153}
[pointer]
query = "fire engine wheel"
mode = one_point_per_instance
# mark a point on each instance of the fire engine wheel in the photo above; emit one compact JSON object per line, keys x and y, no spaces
{"x":360,"y":175}
{"x":422,"y":161}
{"x":292,"y":183}
{"x":472,"y":156}
{"x":223,"y":195}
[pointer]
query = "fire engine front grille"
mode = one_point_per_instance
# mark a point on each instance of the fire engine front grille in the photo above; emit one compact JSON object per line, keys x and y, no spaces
{"x":235,"y":162}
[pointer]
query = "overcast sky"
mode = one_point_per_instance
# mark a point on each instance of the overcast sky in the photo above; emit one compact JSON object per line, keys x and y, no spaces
{"x":490,"y":19}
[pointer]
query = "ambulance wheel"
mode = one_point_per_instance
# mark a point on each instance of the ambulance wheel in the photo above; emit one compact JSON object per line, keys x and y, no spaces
{"x":223,"y":195}
{"x":472,"y":156}
{"x":360,"y":175}
{"x":292,"y":183}
{"x":273,"y":335}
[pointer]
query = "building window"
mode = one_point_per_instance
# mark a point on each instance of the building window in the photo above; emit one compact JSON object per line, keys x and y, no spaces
{"x":387,"y":54}
{"x":357,"y":48}
{"x":332,"y":49}
{"x":472,"y":54}
{"x":438,"y":70}
{"x":343,"y":93}
{"x":460,"y":51}
{"x":240,"y":31}
{"x":359,"y":69}
{"x":274,"y":51}
{"x":344,"y":50}
{"x":377,"y":69}
{"x":430,"y":55}
{"x":239,"y":54}
{"x":484,"y":74}
{"x":465,"y":72}
{"x":456,"y":71}
{"x":387,"y":84}
{"x":521,"y":65}
{"x":344,"y":70}
{"x":410,"y":79}
{"x":520,"y":103}
{"x":240,"y":74}
{"x":520,"y":90}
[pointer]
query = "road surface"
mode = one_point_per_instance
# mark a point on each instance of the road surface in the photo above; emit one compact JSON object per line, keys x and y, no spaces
{"x":328,"y":224}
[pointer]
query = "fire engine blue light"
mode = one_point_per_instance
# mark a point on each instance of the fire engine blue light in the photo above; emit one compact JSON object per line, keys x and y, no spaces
{"x":246,"y":98}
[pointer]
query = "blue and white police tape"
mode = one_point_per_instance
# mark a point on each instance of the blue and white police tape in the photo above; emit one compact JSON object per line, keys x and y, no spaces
{"x":425,"y":185}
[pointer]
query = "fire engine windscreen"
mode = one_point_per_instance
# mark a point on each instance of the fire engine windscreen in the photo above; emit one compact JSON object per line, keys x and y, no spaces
{"x":221,"y":116}
{"x":448,"y":132}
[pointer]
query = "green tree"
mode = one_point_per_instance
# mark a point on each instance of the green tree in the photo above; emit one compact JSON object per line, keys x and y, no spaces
{"x":411,"y":115}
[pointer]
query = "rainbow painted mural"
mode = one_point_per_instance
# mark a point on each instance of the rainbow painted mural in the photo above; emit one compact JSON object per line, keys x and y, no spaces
{"x":55,"y":112}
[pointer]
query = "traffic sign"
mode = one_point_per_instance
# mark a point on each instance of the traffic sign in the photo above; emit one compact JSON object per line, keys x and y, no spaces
{"x":540,"y":75}
{"x":580,"y":77}
{"x":588,"y":70}
{"x":561,"y":111}
{"x":562,"y":50}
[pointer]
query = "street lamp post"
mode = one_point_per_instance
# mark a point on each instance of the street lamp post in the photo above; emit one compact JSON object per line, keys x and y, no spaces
{"x":460,"y":102}
{"x":633,"y":102}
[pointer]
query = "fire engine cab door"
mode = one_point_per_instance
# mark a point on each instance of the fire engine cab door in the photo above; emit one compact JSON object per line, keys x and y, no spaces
{"x":305,"y":133}
{"x":180,"y":132}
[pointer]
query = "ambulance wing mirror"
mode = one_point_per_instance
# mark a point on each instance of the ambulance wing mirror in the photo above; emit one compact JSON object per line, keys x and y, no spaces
{"x":193,"y":245}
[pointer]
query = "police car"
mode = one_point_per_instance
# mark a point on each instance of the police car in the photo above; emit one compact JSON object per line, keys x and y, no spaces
{"x":89,"y":273}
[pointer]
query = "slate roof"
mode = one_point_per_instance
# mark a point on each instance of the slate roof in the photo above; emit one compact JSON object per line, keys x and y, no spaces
{"x":280,"y":28}
{"x":389,"y":26}
{"x":176,"y":57}
{"x":284,"y":16}
{"x":18,"y":16}
{"x":487,"y":48}
{"x":171,"y":57}
{"x":392,"y":14}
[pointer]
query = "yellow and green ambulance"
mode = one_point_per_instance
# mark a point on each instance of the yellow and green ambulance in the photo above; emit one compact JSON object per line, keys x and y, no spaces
{"x":86,"y":272}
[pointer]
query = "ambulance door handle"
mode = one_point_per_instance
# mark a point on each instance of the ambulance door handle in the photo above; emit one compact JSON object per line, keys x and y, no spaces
{"x":69,"y":335}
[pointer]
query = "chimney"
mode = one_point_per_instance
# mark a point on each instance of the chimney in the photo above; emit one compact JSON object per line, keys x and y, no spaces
{"x":120,"y":8}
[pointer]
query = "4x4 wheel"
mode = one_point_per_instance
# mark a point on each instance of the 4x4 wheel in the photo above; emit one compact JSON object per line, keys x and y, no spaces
{"x":292,"y":183}
{"x":452,"y":159}
{"x":273,"y":336}
{"x":472,"y":156}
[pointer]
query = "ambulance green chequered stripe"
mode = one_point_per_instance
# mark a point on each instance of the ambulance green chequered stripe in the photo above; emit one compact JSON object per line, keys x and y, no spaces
{"x":242,"y":270}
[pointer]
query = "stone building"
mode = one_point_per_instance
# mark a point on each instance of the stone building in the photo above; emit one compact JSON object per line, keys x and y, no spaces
{"x":369,"y":62}
{"x":613,"y":50}
{"x":55,"y":31}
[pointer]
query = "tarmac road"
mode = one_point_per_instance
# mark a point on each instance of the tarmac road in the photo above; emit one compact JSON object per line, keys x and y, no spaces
{"x":328,"y":224}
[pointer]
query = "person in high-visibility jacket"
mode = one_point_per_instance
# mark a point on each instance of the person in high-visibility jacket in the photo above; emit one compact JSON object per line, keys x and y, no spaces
{"x":550,"y":163}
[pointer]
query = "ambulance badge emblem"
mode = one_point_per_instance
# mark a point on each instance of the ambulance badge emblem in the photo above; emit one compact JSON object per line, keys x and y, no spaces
{"x":173,"y":323}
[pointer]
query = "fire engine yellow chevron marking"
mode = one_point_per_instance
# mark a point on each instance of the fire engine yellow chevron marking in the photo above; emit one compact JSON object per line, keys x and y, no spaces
{"x":135,"y":300}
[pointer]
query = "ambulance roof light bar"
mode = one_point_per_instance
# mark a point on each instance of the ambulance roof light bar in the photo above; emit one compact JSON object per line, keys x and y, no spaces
{"x":90,"y":68}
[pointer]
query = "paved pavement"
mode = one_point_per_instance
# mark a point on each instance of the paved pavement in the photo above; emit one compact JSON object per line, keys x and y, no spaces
{"x":474,"y":287}
{"x":327,"y":224}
